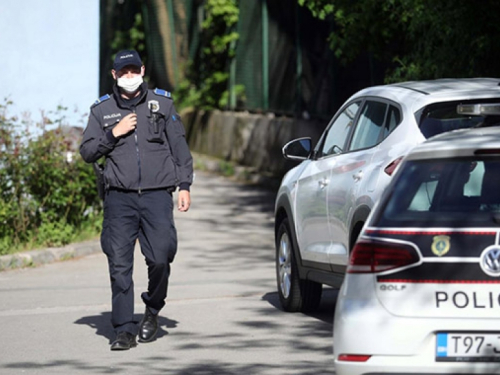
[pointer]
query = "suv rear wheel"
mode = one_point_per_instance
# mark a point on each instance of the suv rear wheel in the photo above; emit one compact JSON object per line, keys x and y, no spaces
{"x":295,"y":294}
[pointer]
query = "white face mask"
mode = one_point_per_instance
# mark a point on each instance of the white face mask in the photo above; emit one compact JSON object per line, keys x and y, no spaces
{"x":130,"y":85}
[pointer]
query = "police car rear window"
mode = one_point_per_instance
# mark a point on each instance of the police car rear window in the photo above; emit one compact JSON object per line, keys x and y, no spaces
{"x":445,"y":193}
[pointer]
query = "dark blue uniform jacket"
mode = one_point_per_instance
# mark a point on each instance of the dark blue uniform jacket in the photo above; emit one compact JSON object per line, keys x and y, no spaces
{"x":155,"y":155}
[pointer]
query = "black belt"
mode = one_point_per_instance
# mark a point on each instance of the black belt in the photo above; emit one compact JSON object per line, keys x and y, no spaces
{"x":169,"y":189}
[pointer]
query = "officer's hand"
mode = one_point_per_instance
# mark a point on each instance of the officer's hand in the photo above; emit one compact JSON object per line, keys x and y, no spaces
{"x":126,"y":125}
{"x":184,"y":200}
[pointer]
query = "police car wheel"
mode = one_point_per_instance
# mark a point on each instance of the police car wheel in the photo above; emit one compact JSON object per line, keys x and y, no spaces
{"x":294,"y":293}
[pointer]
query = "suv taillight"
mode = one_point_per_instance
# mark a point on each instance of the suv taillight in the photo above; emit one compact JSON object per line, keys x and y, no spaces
{"x":377,"y":256}
{"x":354,"y":357}
{"x":391,"y":167}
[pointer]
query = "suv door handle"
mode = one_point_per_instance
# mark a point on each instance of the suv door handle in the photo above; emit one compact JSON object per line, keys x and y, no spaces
{"x":358,"y":176}
{"x":323,"y":183}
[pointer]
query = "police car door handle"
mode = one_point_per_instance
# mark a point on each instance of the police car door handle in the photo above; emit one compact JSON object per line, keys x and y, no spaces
{"x":323,"y":183}
{"x":357,"y":176}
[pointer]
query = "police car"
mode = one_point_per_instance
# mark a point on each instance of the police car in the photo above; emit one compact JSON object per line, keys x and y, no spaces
{"x":422,"y":289}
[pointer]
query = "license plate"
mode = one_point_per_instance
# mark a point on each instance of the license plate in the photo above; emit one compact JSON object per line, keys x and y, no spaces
{"x":468,"y":347}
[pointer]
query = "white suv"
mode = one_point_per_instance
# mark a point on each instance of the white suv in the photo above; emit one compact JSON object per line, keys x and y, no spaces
{"x":323,"y":202}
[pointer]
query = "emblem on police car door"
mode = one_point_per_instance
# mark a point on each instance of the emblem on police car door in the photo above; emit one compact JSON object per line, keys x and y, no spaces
{"x":490,"y":261}
{"x":153,"y":105}
{"x":440,"y":245}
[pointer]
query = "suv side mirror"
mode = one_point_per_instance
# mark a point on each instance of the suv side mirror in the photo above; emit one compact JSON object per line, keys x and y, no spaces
{"x":298,"y":149}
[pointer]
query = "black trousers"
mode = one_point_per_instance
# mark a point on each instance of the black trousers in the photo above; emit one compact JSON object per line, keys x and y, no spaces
{"x":148,"y":217}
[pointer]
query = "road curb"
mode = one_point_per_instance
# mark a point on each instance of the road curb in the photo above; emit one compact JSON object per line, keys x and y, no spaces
{"x":38,"y":257}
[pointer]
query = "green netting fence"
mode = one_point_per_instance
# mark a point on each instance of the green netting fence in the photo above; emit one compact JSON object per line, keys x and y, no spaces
{"x":282,"y":56}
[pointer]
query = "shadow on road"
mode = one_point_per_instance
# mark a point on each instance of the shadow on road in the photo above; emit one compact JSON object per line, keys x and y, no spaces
{"x":324,"y":312}
{"x":102,"y":325}
{"x":163,"y":365}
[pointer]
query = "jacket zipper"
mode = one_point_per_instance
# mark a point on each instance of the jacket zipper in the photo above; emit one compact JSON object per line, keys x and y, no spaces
{"x":137,"y":151}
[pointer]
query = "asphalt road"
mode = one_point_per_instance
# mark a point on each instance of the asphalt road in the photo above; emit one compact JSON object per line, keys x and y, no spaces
{"x":222,"y":314}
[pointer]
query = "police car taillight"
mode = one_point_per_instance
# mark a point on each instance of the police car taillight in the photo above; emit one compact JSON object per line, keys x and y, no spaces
{"x":376,"y":256}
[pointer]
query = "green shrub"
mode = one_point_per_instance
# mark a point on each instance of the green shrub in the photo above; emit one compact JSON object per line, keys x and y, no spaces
{"x":55,"y":233}
{"x":226,"y":168}
{"x":47,"y":192}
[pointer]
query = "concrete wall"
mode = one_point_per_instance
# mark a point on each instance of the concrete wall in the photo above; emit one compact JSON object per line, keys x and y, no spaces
{"x":247,"y":139}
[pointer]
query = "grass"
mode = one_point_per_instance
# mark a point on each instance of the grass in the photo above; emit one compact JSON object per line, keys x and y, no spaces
{"x":88,"y":231}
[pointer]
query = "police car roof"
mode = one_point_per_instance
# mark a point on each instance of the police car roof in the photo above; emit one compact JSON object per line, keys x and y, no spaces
{"x":459,"y":143}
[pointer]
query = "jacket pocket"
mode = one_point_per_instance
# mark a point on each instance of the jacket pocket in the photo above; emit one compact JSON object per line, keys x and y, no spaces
{"x":156,"y":128}
{"x":111,"y":124}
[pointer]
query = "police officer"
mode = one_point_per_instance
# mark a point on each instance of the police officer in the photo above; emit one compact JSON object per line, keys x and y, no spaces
{"x":140,"y":134}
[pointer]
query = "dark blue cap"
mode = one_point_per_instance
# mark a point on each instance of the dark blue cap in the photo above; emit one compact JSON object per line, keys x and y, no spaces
{"x":126,"y":57}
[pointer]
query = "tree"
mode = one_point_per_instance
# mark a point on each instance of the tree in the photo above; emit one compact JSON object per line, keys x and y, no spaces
{"x":207,"y":76}
{"x":417,"y":39}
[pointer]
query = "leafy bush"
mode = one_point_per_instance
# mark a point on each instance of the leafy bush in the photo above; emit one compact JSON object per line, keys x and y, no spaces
{"x":55,"y":233}
{"x":47,"y":192}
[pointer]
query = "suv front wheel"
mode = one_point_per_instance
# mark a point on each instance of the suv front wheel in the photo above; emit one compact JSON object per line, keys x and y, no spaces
{"x":295,"y":294}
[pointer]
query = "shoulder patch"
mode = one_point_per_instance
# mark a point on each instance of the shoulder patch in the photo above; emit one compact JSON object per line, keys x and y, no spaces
{"x":161,"y":92}
{"x":102,"y":99}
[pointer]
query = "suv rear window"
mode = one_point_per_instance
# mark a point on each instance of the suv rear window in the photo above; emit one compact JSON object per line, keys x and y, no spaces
{"x":443,"y":117}
{"x":447,"y":192}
